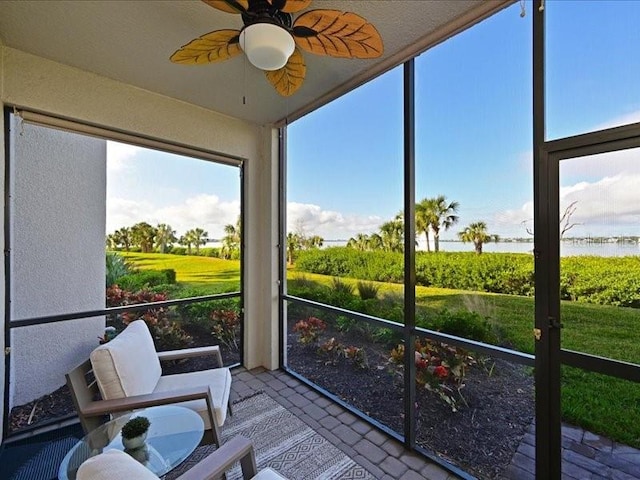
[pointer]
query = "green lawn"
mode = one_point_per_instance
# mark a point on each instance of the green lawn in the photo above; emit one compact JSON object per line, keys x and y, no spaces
{"x":601,"y":404}
{"x":199,"y":272}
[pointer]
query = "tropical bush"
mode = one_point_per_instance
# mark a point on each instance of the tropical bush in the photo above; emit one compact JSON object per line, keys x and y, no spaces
{"x":226,"y":327}
{"x":601,"y":280}
{"x":116,"y":268}
{"x":309,"y":330}
{"x":147,"y":278}
{"x":440,"y":368}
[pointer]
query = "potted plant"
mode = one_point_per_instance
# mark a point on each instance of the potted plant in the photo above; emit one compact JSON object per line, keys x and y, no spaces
{"x":134,"y":432}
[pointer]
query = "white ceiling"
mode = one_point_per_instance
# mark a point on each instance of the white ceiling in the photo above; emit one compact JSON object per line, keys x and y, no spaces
{"x":131,"y":41}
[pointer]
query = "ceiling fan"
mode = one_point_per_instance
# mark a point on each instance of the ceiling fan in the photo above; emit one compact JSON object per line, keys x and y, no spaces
{"x":272,"y":41}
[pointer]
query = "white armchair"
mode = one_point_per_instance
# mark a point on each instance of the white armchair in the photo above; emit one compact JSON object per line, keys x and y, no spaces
{"x":126,"y":374}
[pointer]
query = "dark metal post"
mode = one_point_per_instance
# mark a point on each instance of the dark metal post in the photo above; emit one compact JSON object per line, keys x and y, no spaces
{"x":7,"y":270}
{"x":409,"y":256}
{"x":282,"y":254}
{"x":546,"y":237}
{"x":243,"y":231}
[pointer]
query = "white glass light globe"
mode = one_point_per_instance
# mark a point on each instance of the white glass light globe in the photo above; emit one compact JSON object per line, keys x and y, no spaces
{"x":266,"y":45}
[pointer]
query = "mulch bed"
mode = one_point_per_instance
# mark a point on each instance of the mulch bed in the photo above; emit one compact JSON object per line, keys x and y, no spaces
{"x":481,"y":437}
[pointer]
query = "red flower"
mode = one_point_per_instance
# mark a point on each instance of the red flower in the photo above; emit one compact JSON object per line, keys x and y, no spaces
{"x":440,"y":371}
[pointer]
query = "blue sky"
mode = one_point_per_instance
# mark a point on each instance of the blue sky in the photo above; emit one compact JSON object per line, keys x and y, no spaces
{"x":473,"y":138}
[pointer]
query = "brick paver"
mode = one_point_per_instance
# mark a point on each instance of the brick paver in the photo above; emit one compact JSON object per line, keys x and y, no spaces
{"x":383,"y":456}
{"x":585,"y":455}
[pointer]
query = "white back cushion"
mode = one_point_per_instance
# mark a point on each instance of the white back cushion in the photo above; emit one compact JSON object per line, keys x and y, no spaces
{"x":127,"y":365}
{"x":113,"y":465}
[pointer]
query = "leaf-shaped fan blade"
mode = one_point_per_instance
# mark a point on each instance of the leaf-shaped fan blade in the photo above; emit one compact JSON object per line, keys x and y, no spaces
{"x":337,"y":34}
{"x":229,"y":6}
{"x":212,"y":47}
{"x":289,"y":78}
{"x":290,"y":6}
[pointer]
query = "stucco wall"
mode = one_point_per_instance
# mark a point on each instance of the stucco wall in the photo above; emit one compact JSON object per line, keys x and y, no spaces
{"x":57,"y":253}
{"x":50,"y":87}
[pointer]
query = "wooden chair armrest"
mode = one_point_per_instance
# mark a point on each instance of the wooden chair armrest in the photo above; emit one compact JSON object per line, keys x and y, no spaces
{"x":214,"y":466}
{"x":192,"y":352}
{"x":102,"y":407}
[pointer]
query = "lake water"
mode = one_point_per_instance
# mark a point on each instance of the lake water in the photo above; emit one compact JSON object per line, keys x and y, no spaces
{"x":567,"y":248}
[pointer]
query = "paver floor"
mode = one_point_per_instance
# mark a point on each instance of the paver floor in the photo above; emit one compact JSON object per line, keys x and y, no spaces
{"x":585,"y":456}
{"x":383,"y":456}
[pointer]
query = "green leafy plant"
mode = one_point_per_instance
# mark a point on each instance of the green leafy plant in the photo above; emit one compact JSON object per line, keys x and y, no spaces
{"x":135,"y":427}
{"x":440,"y":368}
{"x":309,"y":330}
{"x":333,"y":350}
{"x":226,"y":326}
{"x":358,"y":356}
{"x":367,"y":290}
{"x":116,"y":268}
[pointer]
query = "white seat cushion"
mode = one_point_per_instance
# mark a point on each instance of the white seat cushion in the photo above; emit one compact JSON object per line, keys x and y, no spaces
{"x":268,"y":474}
{"x":128,"y":365}
{"x":218,"y":379}
{"x":113,"y":465}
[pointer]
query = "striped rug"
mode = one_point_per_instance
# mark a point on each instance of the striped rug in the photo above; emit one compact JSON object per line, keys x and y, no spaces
{"x":282,"y":442}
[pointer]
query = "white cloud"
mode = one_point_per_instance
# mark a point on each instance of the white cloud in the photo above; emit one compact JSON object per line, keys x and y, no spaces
{"x":119,"y":156}
{"x":203,"y":211}
{"x":327,"y":223}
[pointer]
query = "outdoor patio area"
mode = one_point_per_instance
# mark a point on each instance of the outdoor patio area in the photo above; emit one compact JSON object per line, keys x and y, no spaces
{"x":585,"y":455}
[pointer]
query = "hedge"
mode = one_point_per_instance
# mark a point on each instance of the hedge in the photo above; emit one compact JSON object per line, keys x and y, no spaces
{"x":600,"y":280}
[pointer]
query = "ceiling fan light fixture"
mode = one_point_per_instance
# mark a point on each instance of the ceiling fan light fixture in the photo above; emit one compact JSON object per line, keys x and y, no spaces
{"x":267,"y":46}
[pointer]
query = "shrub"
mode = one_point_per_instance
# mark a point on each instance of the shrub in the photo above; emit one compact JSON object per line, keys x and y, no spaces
{"x":333,"y":350}
{"x":367,"y":290}
{"x":226,"y":327}
{"x":358,"y":356}
{"x":440,"y":368}
{"x":147,"y":278}
{"x":178,"y":250}
{"x":116,"y":268}
{"x":309,"y":330}
{"x":170,"y":336}
{"x":465,"y":324}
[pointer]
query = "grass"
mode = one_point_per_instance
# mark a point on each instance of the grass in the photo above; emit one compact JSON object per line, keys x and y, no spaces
{"x":601,"y":404}
{"x":192,"y":271}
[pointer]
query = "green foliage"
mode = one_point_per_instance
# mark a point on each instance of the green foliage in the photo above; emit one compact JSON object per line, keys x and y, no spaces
{"x":169,"y":335}
{"x":117,"y":267}
{"x":226,"y":327}
{"x":309,"y":330}
{"x":147,"y":278}
{"x":178,"y":250}
{"x":465,"y":324}
{"x":367,"y":290}
{"x":600,"y":280}
{"x":135,"y":427}
{"x":440,"y":368}
{"x":335,"y":351}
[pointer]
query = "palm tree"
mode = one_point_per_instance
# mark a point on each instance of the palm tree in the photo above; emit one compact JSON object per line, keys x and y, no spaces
{"x":124,"y":237}
{"x":425,"y":217}
{"x":186,"y":240}
{"x":443,"y":217}
{"x":231,"y":240}
{"x":315,"y":241}
{"x":392,"y":234}
{"x":165,"y":236}
{"x":477,"y":233}
{"x":195,"y":237}
{"x":359,"y":242}
{"x":143,"y":234}
{"x":293,"y":243}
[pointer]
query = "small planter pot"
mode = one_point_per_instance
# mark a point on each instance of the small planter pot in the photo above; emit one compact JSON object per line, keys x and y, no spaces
{"x":135,"y":442}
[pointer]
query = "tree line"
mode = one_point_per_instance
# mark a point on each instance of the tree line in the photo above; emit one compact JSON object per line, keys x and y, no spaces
{"x":160,"y":238}
{"x":433,"y":216}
